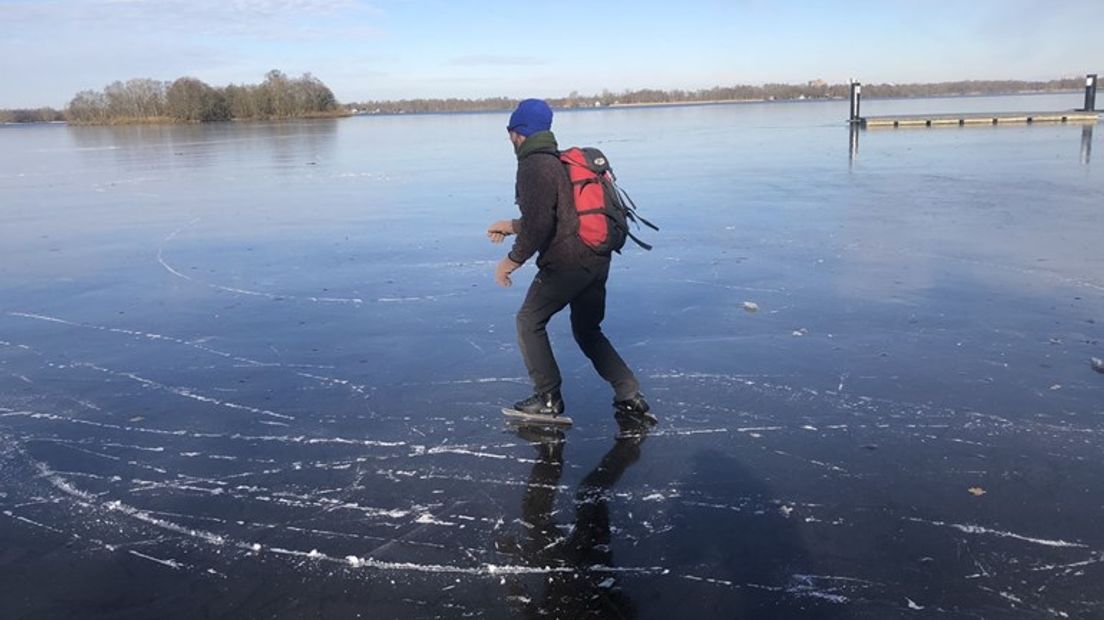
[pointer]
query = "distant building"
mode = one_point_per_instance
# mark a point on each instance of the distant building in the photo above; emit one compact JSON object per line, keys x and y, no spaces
{"x":817,"y":84}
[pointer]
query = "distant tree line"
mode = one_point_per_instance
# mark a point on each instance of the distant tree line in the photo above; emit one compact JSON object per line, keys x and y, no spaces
{"x":971,"y":87}
{"x":816,"y":89}
{"x":419,"y":106}
{"x":191,"y":100}
{"x":37,"y":115}
{"x":278,"y":96}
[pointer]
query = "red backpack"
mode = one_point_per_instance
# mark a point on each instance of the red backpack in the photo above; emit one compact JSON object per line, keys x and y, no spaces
{"x":604,"y":209}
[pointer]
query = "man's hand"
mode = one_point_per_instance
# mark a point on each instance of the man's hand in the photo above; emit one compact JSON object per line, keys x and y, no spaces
{"x":500,"y":230}
{"x":503,"y":270}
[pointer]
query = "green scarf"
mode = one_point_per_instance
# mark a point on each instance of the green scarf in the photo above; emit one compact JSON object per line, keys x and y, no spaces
{"x":540,"y":141}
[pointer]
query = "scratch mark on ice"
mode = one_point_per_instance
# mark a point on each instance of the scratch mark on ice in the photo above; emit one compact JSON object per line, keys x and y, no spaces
{"x":173,"y":564}
{"x":977,"y":529}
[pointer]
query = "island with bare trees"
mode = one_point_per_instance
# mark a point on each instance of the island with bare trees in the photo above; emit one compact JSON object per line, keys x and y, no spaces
{"x":188,"y":99}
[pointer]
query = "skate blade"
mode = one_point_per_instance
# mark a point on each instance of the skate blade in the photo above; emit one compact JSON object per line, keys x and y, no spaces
{"x":517,"y":417}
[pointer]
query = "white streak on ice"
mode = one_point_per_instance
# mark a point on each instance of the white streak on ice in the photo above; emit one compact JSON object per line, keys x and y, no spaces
{"x":451,"y":450}
{"x":173,"y":564}
{"x":479,"y":381}
{"x":12,"y":515}
{"x":359,"y":389}
{"x":240,"y":291}
{"x":185,"y":392}
{"x":91,"y":500}
{"x":977,"y":529}
{"x":1049,"y":567}
{"x":428,"y":519}
{"x":297,"y":439}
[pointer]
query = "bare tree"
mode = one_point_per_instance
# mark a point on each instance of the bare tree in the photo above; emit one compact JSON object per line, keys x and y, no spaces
{"x":88,"y":106}
{"x":189,"y":99}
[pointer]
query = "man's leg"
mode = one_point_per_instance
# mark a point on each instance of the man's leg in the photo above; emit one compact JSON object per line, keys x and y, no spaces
{"x":588,"y":310}
{"x":549,"y":293}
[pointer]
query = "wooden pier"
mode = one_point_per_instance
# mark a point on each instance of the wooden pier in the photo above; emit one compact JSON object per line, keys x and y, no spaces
{"x":1086,"y":114}
{"x":978,"y":118}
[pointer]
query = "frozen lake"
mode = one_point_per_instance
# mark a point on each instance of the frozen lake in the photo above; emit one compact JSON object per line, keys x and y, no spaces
{"x":254,"y":370}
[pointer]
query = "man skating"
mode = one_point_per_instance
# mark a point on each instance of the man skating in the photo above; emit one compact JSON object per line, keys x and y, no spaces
{"x":570,"y":272}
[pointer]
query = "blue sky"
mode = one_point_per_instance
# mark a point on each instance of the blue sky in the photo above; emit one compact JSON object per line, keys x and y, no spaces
{"x":386,"y":49}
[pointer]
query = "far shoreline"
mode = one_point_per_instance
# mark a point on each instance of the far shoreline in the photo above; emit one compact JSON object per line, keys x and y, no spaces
{"x":719,"y":102}
{"x":346,"y":113}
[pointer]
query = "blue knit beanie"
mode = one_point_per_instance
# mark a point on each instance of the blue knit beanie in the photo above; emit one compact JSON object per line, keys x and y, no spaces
{"x":531,"y":116}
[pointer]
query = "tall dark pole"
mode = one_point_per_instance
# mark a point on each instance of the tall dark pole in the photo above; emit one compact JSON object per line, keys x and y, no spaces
{"x":856,"y":99}
{"x":1090,"y":92}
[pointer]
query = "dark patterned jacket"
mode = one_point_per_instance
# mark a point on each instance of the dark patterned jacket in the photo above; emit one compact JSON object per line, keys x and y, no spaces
{"x":548,"y":225}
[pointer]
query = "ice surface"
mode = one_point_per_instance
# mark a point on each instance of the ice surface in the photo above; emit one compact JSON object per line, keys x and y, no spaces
{"x":257,"y":387}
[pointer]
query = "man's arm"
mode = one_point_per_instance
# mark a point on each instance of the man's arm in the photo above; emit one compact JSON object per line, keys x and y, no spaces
{"x":501,"y":229}
{"x":537,"y":195}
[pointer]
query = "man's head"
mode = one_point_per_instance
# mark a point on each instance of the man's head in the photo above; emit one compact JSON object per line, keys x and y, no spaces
{"x":530,"y":116}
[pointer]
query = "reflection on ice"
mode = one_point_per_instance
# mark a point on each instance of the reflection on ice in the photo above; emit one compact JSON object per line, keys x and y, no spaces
{"x":1086,"y":143}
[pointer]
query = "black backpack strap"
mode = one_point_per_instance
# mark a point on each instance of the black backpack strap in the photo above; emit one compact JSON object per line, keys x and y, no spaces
{"x":638,"y":241}
{"x":631,"y":208}
{"x":634,"y":216}
{"x":628,"y":233}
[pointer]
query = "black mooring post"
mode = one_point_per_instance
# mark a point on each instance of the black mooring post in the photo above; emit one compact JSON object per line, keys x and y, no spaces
{"x":1090,"y":92}
{"x":856,"y":99}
